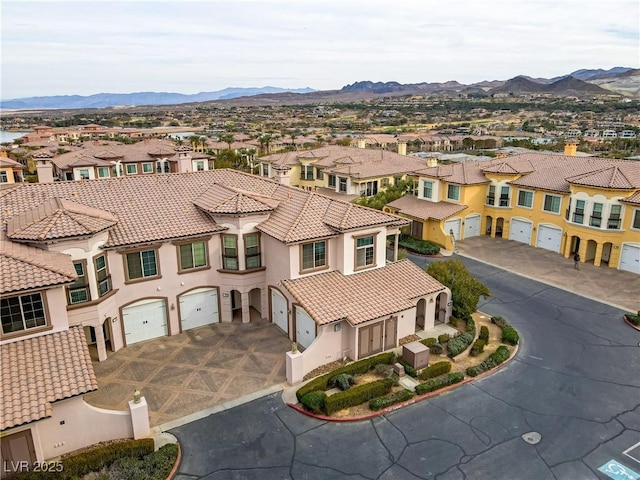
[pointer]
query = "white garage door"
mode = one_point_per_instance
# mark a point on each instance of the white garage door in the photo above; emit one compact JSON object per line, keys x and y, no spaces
{"x":144,"y":320}
{"x":454,"y":225}
{"x":279,"y":310}
{"x":520,"y":231}
{"x":198,"y":308}
{"x":305,"y":328}
{"x":549,"y":238}
{"x":630,"y":258}
{"x":472,"y":226}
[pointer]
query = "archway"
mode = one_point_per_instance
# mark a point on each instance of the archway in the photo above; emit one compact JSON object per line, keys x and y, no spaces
{"x":606,"y":253}
{"x":488,"y":225}
{"x":441,"y":308}
{"x":236,"y":305}
{"x":575,"y":244}
{"x":590,"y":254}
{"x":499,"y":226}
{"x":255,"y":303}
{"x":421,"y":309}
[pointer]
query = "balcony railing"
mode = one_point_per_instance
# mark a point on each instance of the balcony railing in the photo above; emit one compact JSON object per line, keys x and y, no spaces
{"x":504,"y":201}
{"x":595,"y":221}
{"x":613,"y":224}
{"x":578,"y":217}
{"x":491,"y":200}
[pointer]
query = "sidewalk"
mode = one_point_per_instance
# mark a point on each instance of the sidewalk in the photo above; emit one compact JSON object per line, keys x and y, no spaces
{"x":614,"y":287}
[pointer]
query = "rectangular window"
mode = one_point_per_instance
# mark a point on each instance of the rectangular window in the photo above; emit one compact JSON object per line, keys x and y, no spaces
{"x":504,"y":196}
{"x":319,"y":174}
{"x":491,"y":195}
{"x":200,"y":166}
{"x":252,"y":250}
{"x":614,"y":217}
{"x":578,"y":213}
{"x":264,"y":169}
{"x":147,"y":167}
{"x":596,"y":215}
{"x":230,"y":252}
{"x":427,"y":190}
{"x":342,"y":186}
{"x":103,"y":172}
{"x":306,"y":172}
{"x":371,"y":188}
{"x":84,"y":174}
{"x":453,"y":192}
{"x":385,"y":182}
{"x":132,"y":168}
{"x":193,"y":255}
{"x":22,"y":313}
{"x":552,"y":204}
{"x":141,"y":264}
{"x":314,"y":255}
{"x":78,"y":291}
{"x":525,"y":198}
{"x":102,"y":275}
{"x":636,"y":220}
{"x":332,"y":181}
{"x":365,"y":251}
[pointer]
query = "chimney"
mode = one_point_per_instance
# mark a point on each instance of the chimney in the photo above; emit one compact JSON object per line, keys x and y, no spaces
{"x":402,"y":147}
{"x":361,"y":143}
{"x":571,"y":147}
{"x":282,"y":174}
{"x":432,"y":162}
{"x":44,"y":168}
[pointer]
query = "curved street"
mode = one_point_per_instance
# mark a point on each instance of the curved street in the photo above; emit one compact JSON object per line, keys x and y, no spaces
{"x":565,"y":405}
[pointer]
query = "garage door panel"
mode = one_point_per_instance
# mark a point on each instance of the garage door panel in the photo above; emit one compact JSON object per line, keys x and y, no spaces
{"x":305,"y":328}
{"x":199,"y":309}
{"x":145,"y":321}
{"x":630,"y":259}
{"x":453,"y":225}
{"x":472,"y":226}
{"x":549,"y":238}
{"x":520,"y":231}
{"x":279,"y":314}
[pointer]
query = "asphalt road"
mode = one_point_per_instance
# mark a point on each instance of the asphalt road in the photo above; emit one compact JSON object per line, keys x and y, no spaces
{"x":567,"y":404}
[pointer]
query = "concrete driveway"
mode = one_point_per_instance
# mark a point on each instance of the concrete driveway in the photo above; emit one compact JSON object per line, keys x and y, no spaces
{"x":195,"y":370}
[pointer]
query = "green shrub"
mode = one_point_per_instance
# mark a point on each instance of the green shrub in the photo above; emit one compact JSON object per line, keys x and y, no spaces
{"x":408,"y":369}
{"x":510,"y":335}
{"x":155,"y":466}
{"x":444,"y":338}
{"x":439,"y":382}
{"x":384,"y":402}
{"x":359,"y":367}
{"x":459,"y":344}
{"x":495,"y":359}
{"x":633,"y":318}
{"x":453,"y":321}
{"x":484,"y":334}
{"x":499,"y":321}
{"x":477,"y":348}
{"x":436,"y":349}
{"x":357,"y":395}
{"x":383,"y":369}
{"x":471,"y":326}
{"x":427,"y":342}
{"x":314,"y":401}
{"x":435,"y":370}
{"x":413,"y":244}
{"x":342,"y":380}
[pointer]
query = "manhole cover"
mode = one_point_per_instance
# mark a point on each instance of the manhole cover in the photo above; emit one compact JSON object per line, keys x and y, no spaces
{"x":532,"y":438}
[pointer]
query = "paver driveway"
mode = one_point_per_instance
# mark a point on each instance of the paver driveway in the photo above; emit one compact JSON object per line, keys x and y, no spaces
{"x":192,"y":371}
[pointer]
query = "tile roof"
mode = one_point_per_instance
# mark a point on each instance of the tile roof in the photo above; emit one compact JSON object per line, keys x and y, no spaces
{"x":611,"y":177}
{"x":7,"y":162}
{"x":363,"y":296}
{"x":467,"y":173}
{"x":41,"y":370}
{"x":635,"y":198}
{"x":425,"y":209}
{"x":58,"y":218}
{"x":23,"y":267}
{"x":220,"y":200}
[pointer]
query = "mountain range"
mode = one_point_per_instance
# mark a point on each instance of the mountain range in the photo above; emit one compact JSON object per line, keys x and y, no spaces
{"x":623,"y":81}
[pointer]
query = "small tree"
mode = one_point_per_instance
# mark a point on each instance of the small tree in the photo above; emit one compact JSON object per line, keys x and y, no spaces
{"x":465,"y":290}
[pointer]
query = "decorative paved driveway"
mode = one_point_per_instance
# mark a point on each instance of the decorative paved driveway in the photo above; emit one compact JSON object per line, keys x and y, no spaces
{"x":192,"y":371}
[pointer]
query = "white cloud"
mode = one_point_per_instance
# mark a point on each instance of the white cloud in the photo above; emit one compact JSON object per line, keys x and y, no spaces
{"x":88,"y":47}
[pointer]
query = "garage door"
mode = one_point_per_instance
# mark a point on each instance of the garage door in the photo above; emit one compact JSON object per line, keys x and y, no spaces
{"x":549,"y":238}
{"x":305,"y":328}
{"x":144,"y":320}
{"x":279,"y":310}
{"x":199,"y":308}
{"x":520,"y":231}
{"x":630,"y":258}
{"x":454,"y":225}
{"x":472,"y":226}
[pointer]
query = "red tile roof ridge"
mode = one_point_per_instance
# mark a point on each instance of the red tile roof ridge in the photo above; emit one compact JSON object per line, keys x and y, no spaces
{"x":299,"y":218}
{"x":25,"y":253}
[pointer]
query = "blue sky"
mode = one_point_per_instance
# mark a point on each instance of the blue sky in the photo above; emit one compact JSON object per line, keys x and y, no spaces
{"x":87,"y":47}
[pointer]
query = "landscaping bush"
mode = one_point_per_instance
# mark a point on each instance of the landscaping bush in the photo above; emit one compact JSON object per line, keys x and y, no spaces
{"x":413,"y":244}
{"x":495,"y":359}
{"x":633,"y":318}
{"x":440,"y":382}
{"x":459,"y":344}
{"x":443,"y":338}
{"x":314,"y":401}
{"x":408,"y":369}
{"x":342,"y":380}
{"x":453,"y":321}
{"x":359,"y":367}
{"x":384,"y":402}
{"x":357,"y":395}
{"x":155,"y":466}
{"x":499,"y":321}
{"x":477,"y":348}
{"x":484,"y":334}
{"x":383,"y":369}
{"x":510,"y":335}
{"x":435,"y":370}
{"x":471,"y":326}
{"x":427,"y":342}
{"x":436,"y":349}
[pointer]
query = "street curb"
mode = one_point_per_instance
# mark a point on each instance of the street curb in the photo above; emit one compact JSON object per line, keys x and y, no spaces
{"x":398,"y":406}
{"x":624,"y":317}
{"x":174,"y":470}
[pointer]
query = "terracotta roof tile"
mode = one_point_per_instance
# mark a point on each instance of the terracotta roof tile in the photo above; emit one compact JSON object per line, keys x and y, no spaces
{"x":635,"y":198}
{"x":220,"y":200}
{"x":363,"y":296}
{"x":610,"y":177}
{"x":41,"y":370}
{"x":425,"y":209}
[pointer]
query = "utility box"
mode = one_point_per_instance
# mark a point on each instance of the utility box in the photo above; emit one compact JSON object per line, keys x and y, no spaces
{"x":416,"y":355}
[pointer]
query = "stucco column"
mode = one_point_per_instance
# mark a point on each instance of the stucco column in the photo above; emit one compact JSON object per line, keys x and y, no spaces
{"x":395,"y":247}
{"x":100,"y":343}
{"x":493,"y":228}
{"x":598,"y":257}
{"x":246,"y":313}
{"x":139,"y":418}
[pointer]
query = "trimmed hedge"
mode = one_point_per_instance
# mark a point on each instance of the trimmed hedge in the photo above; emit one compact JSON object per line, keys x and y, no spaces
{"x":424,"y":247}
{"x":436,"y":349}
{"x":484,"y":334}
{"x":495,"y":359}
{"x":94,"y":459}
{"x":427,"y":342}
{"x":471,"y":326}
{"x":459,"y":344}
{"x":359,"y":367}
{"x":314,"y":401}
{"x":477,"y":348}
{"x":633,"y":318}
{"x":435,"y":370}
{"x":408,"y":369}
{"x":384,"y":402}
{"x":510,"y":335}
{"x":342,"y":380}
{"x":443,"y":338}
{"x":438,"y":383}
{"x":155,"y":466}
{"x":357,"y":395}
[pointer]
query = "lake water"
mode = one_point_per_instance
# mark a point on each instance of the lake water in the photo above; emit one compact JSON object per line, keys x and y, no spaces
{"x":9,"y":136}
